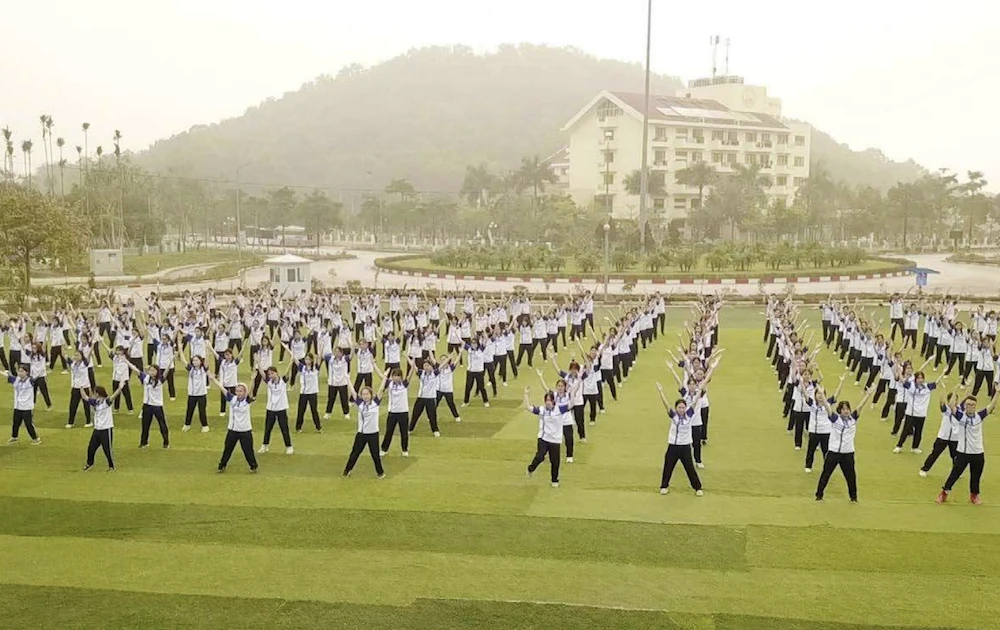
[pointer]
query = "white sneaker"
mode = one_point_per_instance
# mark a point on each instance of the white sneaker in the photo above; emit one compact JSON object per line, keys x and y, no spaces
{"x":88,"y":425}
{"x":788,"y":432}
{"x":603,"y":410}
{"x":263,"y":448}
{"x":185,"y":428}
{"x":69,"y":426}
{"x":205,"y":429}
{"x":465,"y":404}
{"x":381,"y":453}
{"x":12,"y":440}
{"x":584,"y":440}
{"x":527,"y":474}
{"x":326,"y":416}
{"x":916,"y":450}
{"x":798,"y":448}
{"x":699,"y":493}
{"x":808,"y":470}
{"x":222,"y":414}
{"x":923,"y":473}
{"x":173,"y":398}
{"x":406,"y":453}
{"x":458,"y":419}
{"x":569,"y":460}
{"x":664,"y":490}
{"x":505,"y":384}
{"x":699,"y":465}
{"x":347,"y":416}
{"x":437,"y":434}
{"x":37,"y":441}
{"x":897,"y":450}
{"x":555,"y":484}
{"x":486,"y":405}
{"x":290,"y":450}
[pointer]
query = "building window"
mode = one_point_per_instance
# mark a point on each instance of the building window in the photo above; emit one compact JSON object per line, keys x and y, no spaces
{"x":798,"y":181}
{"x":800,"y":141}
{"x":609,"y":179}
{"x":681,"y":133}
{"x":716,"y":157}
{"x":698,"y":136}
{"x":765,"y":137}
{"x":609,"y":134}
{"x":696,"y":156}
{"x":680,"y":204}
{"x":658,"y":203}
{"x":718,"y":134}
{"x":659,"y":156}
{"x":291,"y":275}
{"x":731,"y":158}
{"x":800,"y":162}
{"x":275,"y":275}
{"x":782,"y":138}
{"x":782,"y":180}
{"x":609,"y":157}
{"x":782,"y":160}
{"x":751,"y":137}
{"x":607,"y":109}
{"x":659,"y":134}
{"x":681,"y":155}
{"x":734,"y":138}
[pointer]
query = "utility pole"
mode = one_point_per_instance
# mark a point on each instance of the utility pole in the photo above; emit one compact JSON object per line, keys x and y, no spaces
{"x":643,"y":175}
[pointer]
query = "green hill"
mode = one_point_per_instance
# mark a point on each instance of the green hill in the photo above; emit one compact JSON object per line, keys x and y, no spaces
{"x":424,"y":116}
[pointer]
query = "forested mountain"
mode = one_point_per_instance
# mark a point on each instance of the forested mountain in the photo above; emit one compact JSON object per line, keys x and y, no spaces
{"x":425,"y":115}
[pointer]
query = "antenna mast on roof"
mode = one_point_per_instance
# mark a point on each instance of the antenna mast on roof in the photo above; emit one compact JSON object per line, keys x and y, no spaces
{"x":727,"y":57}
{"x":714,"y":42}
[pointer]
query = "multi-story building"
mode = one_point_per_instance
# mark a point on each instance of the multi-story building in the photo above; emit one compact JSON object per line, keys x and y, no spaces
{"x":720,"y":121}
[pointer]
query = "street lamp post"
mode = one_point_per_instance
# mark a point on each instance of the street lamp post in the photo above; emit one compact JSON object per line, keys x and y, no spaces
{"x":608,"y":135}
{"x":607,"y":231}
{"x":239,"y":245}
{"x":492,"y":226}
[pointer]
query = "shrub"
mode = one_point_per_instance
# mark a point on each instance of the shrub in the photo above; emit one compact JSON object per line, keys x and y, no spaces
{"x":686,"y":260}
{"x":527,"y":258}
{"x":588,"y":261}
{"x":622,"y":260}
{"x":555,"y":261}
{"x":718,"y":258}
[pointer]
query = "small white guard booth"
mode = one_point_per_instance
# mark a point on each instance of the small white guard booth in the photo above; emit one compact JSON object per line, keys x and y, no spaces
{"x":290,"y":274}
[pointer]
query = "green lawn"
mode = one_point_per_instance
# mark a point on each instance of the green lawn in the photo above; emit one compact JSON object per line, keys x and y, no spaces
{"x":572,"y":269}
{"x":151,"y":263}
{"x":456,"y":537}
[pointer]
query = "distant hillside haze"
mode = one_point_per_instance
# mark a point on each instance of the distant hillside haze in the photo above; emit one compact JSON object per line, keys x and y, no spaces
{"x":426,"y":115}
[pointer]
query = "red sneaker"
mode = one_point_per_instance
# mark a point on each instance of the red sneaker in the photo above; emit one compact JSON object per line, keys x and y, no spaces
{"x":942,"y":496}
{"x":975,"y":500}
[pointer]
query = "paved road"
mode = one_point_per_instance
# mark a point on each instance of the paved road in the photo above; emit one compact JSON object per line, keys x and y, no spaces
{"x":956,"y":278}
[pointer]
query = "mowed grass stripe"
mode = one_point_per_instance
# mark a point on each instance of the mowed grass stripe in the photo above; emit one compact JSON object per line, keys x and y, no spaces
{"x":566,"y":539}
{"x":400,"y":578}
{"x":93,"y":608}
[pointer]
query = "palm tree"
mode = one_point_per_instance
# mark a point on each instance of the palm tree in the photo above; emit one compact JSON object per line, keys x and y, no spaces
{"x":401,"y":187}
{"x":52,"y":154}
{"x":536,"y":173}
{"x":700,"y":175}
{"x":655,"y":183}
{"x":9,"y":155}
{"x":45,"y":147}
{"x":121,"y":193}
{"x":60,"y":142}
{"x":26,"y":150}
{"x":86,"y":149}
{"x":478,"y":184}
{"x":972,"y":189}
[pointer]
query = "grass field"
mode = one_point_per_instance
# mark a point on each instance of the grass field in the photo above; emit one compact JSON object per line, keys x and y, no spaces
{"x":571,"y":269}
{"x":456,"y":537}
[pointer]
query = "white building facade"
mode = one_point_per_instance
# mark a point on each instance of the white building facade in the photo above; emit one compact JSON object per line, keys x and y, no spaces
{"x":720,"y":121}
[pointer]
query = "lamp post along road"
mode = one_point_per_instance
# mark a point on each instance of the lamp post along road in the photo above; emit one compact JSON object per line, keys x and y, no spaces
{"x":608,"y":134}
{"x":643,"y":176}
{"x":239,"y":245}
{"x":607,"y":230}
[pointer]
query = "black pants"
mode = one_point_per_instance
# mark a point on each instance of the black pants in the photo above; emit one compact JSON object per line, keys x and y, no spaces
{"x":491,"y":376}
{"x":981,"y":377}
{"x":591,"y":401}
{"x":200,"y":403}
{"x":360,"y":441}
{"x":448,"y":397}
{"x":798,"y":420}
{"x":526,"y":349}
{"x":914,"y":426}
{"x":910,"y":338}
{"x":961,"y":461}
{"x":550,"y":449}
{"x":897,"y":422}
{"x":332,"y":393}
{"x":396,"y":419}
{"x":281,"y":417}
{"x":310,"y":401}
{"x":578,"y":419}
{"x":568,"y":439}
{"x":679,"y":453}
{"x":42,"y":386}
{"x":419,"y":407}
{"x":846,"y":463}
{"x":512,"y":363}
{"x":883,"y":383}
{"x":890,"y":401}
{"x":696,"y":435}
{"x":822,"y":440}
{"x":148,"y":413}
{"x":361,"y":380}
{"x":26,"y":418}
{"x":222,"y":397}
{"x":897,"y":324}
{"x":475,"y":378}
{"x":939,"y":447}
{"x":75,"y":398}
{"x":169,"y":378}
{"x":126,"y":394}
{"x":103,"y":439}
{"x":56,"y":353}
{"x":245,"y":439}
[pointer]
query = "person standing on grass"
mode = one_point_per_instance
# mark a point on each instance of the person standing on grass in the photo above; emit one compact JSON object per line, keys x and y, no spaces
{"x":197,"y":390}
{"x":428,"y":376}
{"x":947,"y":437}
{"x":367,"y":434}
{"x":79,"y":381}
{"x":308,"y":393}
{"x":24,"y":404}
{"x":239,"y":430}
{"x":550,"y":417}
{"x":338,"y":377}
{"x":152,"y":404}
{"x":277,"y":407}
{"x":843,"y":429}
{"x":969,"y":450}
{"x":679,"y":443}
{"x":819,"y":420}
{"x":399,"y":411}
{"x":917,"y":405}
{"x":564,"y":399}
{"x":104,"y":425}
{"x":475,"y":372}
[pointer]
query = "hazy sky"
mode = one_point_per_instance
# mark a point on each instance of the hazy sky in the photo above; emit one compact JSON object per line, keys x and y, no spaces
{"x":916,"y":79}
